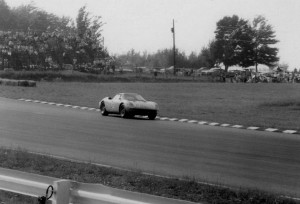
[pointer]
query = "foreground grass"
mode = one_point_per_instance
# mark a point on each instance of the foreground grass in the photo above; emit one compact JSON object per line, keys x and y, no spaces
{"x":262,"y":105}
{"x":132,"y":181}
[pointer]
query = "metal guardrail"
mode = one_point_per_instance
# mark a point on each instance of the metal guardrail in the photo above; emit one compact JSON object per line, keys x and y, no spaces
{"x":67,"y":191}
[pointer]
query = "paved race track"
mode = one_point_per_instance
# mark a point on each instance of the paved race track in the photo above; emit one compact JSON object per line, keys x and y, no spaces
{"x":230,"y":156}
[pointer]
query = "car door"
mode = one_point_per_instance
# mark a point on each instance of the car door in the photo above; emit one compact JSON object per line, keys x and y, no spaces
{"x":115,"y":103}
{"x":109,"y":103}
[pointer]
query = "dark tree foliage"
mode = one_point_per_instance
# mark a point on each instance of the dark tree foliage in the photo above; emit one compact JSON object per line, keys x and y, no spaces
{"x":83,"y":22}
{"x":5,"y":15}
{"x":229,"y":36}
{"x":26,"y":17}
{"x":164,"y":58}
{"x":240,"y":43}
{"x":207,"y":57}
{"x":263,"y":37}
{"x":160,"y":59}
{"x":89,"y":33}
{"x":33,"y":37}
{"x":193,"y":60}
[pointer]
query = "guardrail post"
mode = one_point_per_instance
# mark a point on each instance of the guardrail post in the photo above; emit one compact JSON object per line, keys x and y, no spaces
{"x":61,"y":192}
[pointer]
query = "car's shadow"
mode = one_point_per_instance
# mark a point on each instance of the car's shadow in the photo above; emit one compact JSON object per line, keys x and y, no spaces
{"x":130,"y":118}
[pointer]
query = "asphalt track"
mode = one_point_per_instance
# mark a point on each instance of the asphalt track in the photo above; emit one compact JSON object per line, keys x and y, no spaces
{"x":235,"y":157}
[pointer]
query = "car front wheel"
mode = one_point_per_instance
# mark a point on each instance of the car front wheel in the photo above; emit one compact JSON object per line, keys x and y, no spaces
{"x":152,"y":116}
{"x":103,"y":109}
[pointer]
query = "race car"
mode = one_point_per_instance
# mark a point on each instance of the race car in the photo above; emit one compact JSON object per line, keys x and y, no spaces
{"x":128,"y":105}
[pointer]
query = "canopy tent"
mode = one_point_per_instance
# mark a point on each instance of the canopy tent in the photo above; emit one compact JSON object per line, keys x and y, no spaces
{"x":260,"y":68}
{"x":235,"y":68}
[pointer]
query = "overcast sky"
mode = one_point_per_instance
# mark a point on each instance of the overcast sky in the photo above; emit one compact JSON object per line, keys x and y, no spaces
{"x":144,"y":25}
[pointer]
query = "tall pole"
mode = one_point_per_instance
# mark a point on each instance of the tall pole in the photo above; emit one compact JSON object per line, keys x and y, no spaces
{"x":174,"y":48}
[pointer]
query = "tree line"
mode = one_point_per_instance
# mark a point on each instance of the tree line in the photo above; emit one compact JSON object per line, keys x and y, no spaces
{"x":30,"y":37}
{"x":237,"y":42}
{"x":165,"y":58}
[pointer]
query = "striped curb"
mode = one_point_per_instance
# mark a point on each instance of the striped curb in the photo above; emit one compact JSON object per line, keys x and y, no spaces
{"x":163,"y":118}
{"x":253,"y":128}
{"x":237,"y":126}
{"x":174,"y":119}
{"x":183,"y":120}
{"x":202,"y":122}
{"x":271,"y":129}
{"x":225,"y":125}
{"x":213,"y":124}
{"x":192,"y":121}
{"x":290,"y":131}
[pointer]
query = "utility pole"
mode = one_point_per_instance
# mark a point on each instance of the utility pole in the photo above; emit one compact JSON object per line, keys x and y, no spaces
{"x":174,"y":48}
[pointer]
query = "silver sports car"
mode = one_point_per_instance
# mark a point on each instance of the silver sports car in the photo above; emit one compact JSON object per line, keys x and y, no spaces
{"x":128,"y":105}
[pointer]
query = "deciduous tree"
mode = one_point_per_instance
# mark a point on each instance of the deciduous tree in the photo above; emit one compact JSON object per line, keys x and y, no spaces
{"x":89,"y":34}
{"x":263,"y":39}
{"x":228,"y":39}
{"x":207,"y":56}
{"x":5,"y":16}
{"x":240,"y":43}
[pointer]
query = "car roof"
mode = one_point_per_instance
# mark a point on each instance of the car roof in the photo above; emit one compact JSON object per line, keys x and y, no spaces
{"x":124,"y":93}
{"x":129,"y":93}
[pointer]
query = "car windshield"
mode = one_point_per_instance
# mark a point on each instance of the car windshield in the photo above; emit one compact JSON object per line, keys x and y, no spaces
{"x":133,"y":97}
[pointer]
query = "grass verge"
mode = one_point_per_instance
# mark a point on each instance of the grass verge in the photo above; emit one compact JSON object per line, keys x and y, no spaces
{"x":133,"y":181}
{"x":261,"y":105}
{"x":75,"y":76}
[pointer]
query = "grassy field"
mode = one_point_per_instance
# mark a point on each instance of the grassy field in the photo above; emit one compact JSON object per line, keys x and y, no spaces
{"x":73,"y":76}
{"x":132,"y":181}
{"x":264,"y":105}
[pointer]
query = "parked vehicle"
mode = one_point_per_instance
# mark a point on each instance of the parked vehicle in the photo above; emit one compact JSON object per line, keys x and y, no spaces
{"x":199,"y":71}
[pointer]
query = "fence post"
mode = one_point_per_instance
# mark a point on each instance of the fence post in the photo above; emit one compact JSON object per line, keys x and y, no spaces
{"x":61,"y":192}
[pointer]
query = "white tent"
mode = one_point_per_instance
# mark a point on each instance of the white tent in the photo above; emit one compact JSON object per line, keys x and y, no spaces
{"x":260,"y":68}
{"x":167,"y":70}
{"x":170,"y":68}
{"x":233,"y":68}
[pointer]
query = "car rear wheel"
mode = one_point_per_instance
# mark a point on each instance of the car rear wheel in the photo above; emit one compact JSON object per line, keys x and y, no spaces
{"x":152,"y":116}
{"x":103,"y":109}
